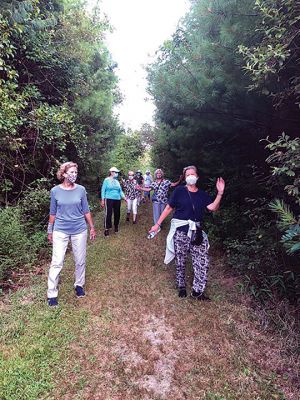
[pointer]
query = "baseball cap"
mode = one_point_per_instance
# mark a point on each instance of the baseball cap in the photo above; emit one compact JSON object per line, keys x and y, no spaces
{"x":114,"y":169}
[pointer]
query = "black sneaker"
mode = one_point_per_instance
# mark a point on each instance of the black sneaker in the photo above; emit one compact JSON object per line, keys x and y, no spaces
{"x":182,"y":292}
{"x":127,"y":218}
{"x":52,"y":302}
{"x":106,"y":232}
{"x":79,"y":291}
{"x":199,"y":296}
{"x":134,"y":222}
{"x":116,"y":229}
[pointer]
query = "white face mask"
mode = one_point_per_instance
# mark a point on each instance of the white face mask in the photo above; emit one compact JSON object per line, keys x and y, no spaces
{"x":191,"y":180}
{"x":130,"y":177}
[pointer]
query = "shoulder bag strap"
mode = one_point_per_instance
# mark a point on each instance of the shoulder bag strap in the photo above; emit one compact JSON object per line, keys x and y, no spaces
{"x":192,"y":203}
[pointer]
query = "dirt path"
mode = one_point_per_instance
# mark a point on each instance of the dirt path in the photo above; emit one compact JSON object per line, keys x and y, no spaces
{"x":143,"y":342}
{"x":132,"y":338}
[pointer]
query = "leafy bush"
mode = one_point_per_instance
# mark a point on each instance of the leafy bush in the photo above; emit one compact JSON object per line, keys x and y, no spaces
{"x":229,"y":222}
{"x":35,"y":205}
{"x":259,"y":260}
{"x":39,"y":244}
{"x":15,"y":247}
{"x":285,"y":162}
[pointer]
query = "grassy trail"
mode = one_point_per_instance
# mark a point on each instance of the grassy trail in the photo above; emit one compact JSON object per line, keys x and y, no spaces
{"x":131,"y":337}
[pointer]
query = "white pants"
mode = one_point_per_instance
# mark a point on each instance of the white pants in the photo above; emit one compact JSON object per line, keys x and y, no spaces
{"x":60,"y":243}
{"x":132,"y":205}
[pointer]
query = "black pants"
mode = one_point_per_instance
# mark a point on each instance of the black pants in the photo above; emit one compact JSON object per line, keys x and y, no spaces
{"x":112,"y":207}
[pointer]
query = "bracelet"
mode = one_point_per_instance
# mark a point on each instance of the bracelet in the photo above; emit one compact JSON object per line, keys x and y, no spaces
{"x":50,"y":227}
{"x":157,"y":224}
{"x":220,"y":194}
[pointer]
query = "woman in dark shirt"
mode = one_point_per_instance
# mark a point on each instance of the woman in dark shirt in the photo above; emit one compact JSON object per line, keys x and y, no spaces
{"x":189,"y":204}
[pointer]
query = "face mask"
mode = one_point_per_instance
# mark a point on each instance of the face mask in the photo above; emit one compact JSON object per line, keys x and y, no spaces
{"x":71,"y":177}
{"x":116,"y":175}
{"x":130,"y":177}
{"x":191,"y":180}
{"x":158,"y":176}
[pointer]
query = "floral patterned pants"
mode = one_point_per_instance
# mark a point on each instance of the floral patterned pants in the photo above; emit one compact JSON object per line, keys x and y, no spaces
{"x":199,"y":254}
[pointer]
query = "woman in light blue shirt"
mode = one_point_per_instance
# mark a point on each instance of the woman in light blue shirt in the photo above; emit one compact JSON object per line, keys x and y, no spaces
{"x":110,"y":199}
{"x":69,"y":215}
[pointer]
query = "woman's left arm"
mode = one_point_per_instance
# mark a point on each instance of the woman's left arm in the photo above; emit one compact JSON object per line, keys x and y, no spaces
{"x":215,"y":205}
{"x":88,"y":215}
{"x":89,"y":220}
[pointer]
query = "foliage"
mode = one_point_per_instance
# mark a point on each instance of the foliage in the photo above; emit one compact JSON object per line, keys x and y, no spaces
{"x":57,"y":90}
{"x":15,"y":246}
{"x":288,"y":224}
{"x":207,"y":116}
{"x":255,"y":257}
{"x":204,"y":112}
{"x":127,"y":152}
{"x":285,"y":161}
{"x":35,"y":205}
{"x":147,"y":133}
{"x":273,"y":64}
{"x":286,"y":157}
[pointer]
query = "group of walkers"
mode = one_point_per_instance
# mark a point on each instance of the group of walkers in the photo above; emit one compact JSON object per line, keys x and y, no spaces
{"x":112,"y":192}
{"x":70,"y":215}
{"x":135,"y":189}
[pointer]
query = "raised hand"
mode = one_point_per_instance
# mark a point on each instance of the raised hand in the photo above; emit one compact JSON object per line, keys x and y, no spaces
{"x":220,"y":185}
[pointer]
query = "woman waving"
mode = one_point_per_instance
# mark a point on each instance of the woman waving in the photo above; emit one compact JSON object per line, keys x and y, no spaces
{"x":189,"y":204}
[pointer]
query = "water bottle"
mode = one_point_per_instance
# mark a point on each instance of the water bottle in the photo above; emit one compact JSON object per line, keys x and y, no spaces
{"x":151,"y":235}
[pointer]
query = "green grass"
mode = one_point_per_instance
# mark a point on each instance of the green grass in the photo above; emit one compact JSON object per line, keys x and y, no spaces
{"x":35,"y":343}
{"x":131,"y":337}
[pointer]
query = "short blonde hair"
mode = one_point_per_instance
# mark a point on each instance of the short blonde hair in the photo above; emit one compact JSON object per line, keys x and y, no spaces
{"x":64,"y":168}
{"x":156,"y":172}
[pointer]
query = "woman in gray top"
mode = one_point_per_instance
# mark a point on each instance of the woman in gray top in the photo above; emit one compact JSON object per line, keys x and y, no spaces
{"x":69,"y":215}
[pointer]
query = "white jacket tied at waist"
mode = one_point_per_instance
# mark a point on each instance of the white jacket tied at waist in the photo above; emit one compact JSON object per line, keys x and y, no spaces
{"x":176,"y":223}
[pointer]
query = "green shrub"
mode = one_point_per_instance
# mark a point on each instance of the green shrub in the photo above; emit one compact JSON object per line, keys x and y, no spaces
{"x":259,"y":259}
{"x":15,"y":247}
{"x":39,"y":244}
{"x":35,"y":205}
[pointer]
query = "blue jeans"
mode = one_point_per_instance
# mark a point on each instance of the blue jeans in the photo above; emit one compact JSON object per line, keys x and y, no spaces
{"x":158,"y":208}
